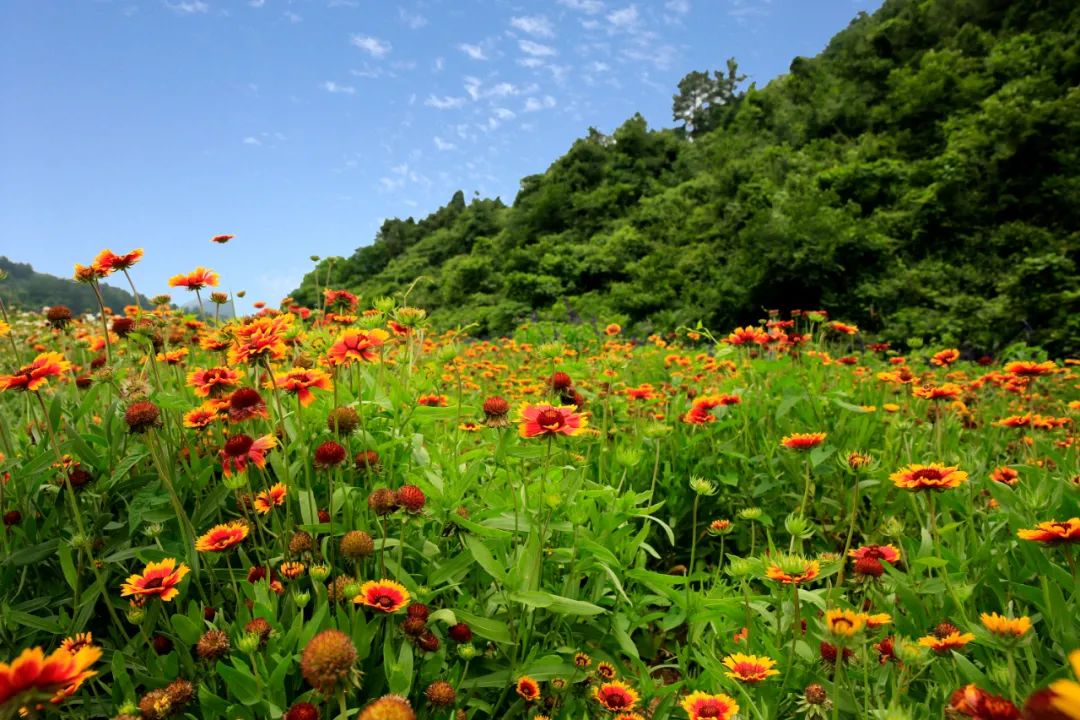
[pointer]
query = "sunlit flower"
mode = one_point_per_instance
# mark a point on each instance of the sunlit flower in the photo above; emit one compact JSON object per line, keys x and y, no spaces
{"x":222,"y":537}
{"x":703,"y":706}
{"x":1005,"y":475}
{"x":1053,"y":532}
{"x":550,"y":420}
{"x":944,"y":358}
{"x":615,"y":696}
{"x":197,"y":279}
{"x":934,"y":476}
{"x":612,"y":330}
{"x":239,"y":450}
{"x":605,"y":670}
{"x":353,"y":345}
{"x":107,"y":262}
{"x":260,"y":340}
{"x":32,"y":676}
{"x":270,"y":498}
{"x":942,"y":644}
{"x":160,"y":579}
{"x":948,"y":391}
{"x":299,"y":382}
{"x":77,"y":642}
{"x":172,"y":357}
{"x":213,"y":382}
{"x":803,"y":441}
{"x":1025,"y":368}
{"x":745,"y":335}
{"x":383,"y":595}
{"x":245,"y":404}
{"x":432,"y":400}
{"x":221,"y":239}
{"x":749,"y":668}
{"x":1006,"y":626}
{"x":204,"y":415}
{"x":1066,"y":693}
{"x":36,"y":375}
{"x":844,"y":623}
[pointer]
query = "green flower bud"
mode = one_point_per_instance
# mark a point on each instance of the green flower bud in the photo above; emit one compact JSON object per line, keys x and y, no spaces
{"x":153,"y":530}
{"x":135,"y":614}
{"x":466,"y":651}
{"x":752,"y":513}
{"x":235,"y":481}
{"x":551,"y":351}
{"x":301,"y":599}
{"x":319,"y":573}
{"x":702,"y":486}
{"x":798,"y":526}
{"x":248,"y":643}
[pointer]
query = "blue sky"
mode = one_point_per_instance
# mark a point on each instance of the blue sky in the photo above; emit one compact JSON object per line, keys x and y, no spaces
{"x":298,"y":125}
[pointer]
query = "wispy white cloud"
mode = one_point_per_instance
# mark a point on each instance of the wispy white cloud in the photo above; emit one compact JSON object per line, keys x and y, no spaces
{"x":534,"y":104}
{"x":741,"y":9}
{"x":439,"y":64}
{"x":413,"y":21}
{"x":474,"y":51}
{"x":536,"y":49}
{"x":188,"y":7}
{"x":332,"y":87}
{"x":445,"y":103}
{"x":251,"y":140}
{"x":443,"y":144}
{"x":537,"y":25}
{"x":530,"y":62}
{"x":679,"y":7}
{"x":592,"y":7}
{"x":291,"y":17}
{"x":371,"y":45}
{"x":256,"y":3}
{"x":624,"y":19}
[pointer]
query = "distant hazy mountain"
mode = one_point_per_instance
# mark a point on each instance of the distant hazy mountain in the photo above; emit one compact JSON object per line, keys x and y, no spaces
{"x":31,"y":290}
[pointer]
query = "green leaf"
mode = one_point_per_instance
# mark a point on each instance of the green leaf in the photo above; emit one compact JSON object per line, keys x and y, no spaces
{"x":67,"y":564}
{"x":484,"y":558}
{"x":487,"y":628}
{"x":556,"y":603}
{"x":242,"y":685}
{"x":187,"y":630}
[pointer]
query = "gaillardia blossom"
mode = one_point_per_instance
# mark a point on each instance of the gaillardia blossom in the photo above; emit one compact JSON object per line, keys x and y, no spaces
{"x":239,"y":450}
{"x":703,"y":706}
{"x":36,"y":375}
{"x":197,"y":279}
{"x":934,"y":476}
{"x":222,"y":537}
{"x":383,"y":595}
{"x":803,"y":441}
{"x":749,"y":669}
{"x":353,"y":345}
{"x":299,"y":382}
{"x":1054,"y":532}
{"x":32,"y":676}
{"x":550,"y":420}
{"x":157,"y":579}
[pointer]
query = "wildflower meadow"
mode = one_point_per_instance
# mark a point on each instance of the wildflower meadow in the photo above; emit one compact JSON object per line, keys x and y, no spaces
{"x":337,"y":512}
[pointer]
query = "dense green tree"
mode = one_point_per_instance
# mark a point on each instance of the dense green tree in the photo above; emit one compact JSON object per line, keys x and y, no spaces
{"x":919,"y":177}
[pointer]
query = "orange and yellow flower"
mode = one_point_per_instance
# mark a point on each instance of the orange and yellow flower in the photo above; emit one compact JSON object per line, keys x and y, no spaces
{"x":551,"y":420}
{"x":36,"y":375}
{"x":1006,"y":626}
{"x":222,"y":537}
{"x":946,"y":643}
{"x":803,"y":441}
{"x":844,"y":623}
{"x":353,"y":345}
{"x":945,"y":358}
{"x":527,"y":688}
{"x":1066,"y":696}
{"x":160,"y":579}
{"x":745,"y":335}
{"x":32,"y":676}
{"x":197,"y":279}
{"x":299,"y":382}
{"x":77,"y":642}
{"x":1053,"y":532}
{"x":615,"y":696}
{"x":213,"y":382}
{"x":384,"y":596}
{"x":260,"y":340}
{"x":793,"y":571}
{"x":749,"y":668}
{"x":934,"y":476}
{"x":239,"y":450}
{"x":703,"y":706}
{"x":107,"y":262}
{"x":270,"y":498}
{"x":1023,"y":368}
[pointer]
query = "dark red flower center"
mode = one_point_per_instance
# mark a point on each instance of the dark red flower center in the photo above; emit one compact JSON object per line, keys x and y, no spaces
{"x":550,"y":419}
{"x":238,"y":445}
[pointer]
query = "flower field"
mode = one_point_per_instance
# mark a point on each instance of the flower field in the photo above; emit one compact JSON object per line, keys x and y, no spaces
{"x":337,"y":512}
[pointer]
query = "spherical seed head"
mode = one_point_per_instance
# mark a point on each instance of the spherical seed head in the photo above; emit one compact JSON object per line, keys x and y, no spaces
{"x":328,"y":660}
{"x":414,"y":626}
{"x":388,"y":707}
{"x":357,"y":544}
{"x":418,"y":610}
{"x":411,"y":498}
{"x":869,"y":566}
{"x":58,"y":315}
{"x":123,"y":326}
{"x":460,"y":633}
{"x":141,"y":416}
{"x":815,"y":694}
{"x":336,"y":591}
{"x":440,"y":694}
{"x":428,"y":642}
{"x":213,"y":644}
{"x":181,"y":692}
{"x":561,"y":381}
{"x":329,"y":454}
{"x":156,"y":705}
{"x":342,"y":420}
{"x":382,"y":501}
{"x":944,"y":630}
{"x":12,"y":517}
{"x":301,"y":542}
{"x":302,"y":711}
{"x":367,"y":461}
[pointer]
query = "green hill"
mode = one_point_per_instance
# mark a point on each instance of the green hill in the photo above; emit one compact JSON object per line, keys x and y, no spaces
{"x":920,"y":177}
{"x":30,"y":290}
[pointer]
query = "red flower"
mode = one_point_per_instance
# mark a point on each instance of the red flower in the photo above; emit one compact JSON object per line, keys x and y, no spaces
{"x":299,"y":382}
{"x":270,"y":498}
{"x":970,"y":701}
{"x":221,"y":239}
{"x":107,"y":262}
{"x":239,"y":450}
{"x":354,"y":345}
{"x":550,"y":420}
{"x":212,"y":381}
{"x":803,"y":441}
{"x":197,"y":279}
{"x":383,"y":595}
{"x":160,"y":579}
{"x":222,"y":537}
{"x":36,"y":374}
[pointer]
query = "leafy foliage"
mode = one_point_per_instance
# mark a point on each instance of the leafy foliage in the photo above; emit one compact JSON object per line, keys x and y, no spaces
{"x":918,"y":176}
